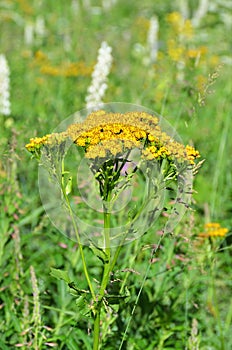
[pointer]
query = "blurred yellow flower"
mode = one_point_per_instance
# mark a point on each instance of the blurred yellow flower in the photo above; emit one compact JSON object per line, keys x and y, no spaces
{"x":49,"y":70}
{"x":187,"y":29}
{"x":203,"y":50}
{"x":40,"y":56}
{"x":213,"y":229}
{"x":159,"y":95}
{"x":104,"y":134}
{"x":25,"y":6}
{"x":65,"y":69}
{"x":180,"y":25}
{"x":201,"y":82}
{"x":193,"y":53}
{"x":175,"y":19}
{"x":142,"y":25}
{"x":175,"y":52}
{"x":214,"y":60}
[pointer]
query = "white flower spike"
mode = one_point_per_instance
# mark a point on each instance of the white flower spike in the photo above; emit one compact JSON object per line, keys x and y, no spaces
{"x":4,"y":86}
{"x":98,"y":86}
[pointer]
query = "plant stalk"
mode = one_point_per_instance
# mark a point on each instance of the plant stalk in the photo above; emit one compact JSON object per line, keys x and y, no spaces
{"x":78,"y":238}
{"x":105,"y":277}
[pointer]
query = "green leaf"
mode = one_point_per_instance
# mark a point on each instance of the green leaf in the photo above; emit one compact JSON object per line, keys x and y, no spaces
{"x":3,"y":346}
{"x":116,"y":299}
{"x":75,"y":290}
{"x":82,"y":306}
{"x":99,"y":252}
{"x":60,"y":275}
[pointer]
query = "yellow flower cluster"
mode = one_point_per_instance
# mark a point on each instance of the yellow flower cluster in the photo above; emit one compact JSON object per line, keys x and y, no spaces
{"x":104,"y":134}
{"x":196,"y":52}
{"x":50,"y":139}
{"x":213,"y":229}
{"x":175,"y":51}
{"x":178,"y":51}
{"x":25,"y":6}
{"x":180,"y":41}
{"x":180,"y":25}
{"x":65,"y":69}
{"x":141,"y":27}
{"x":192,"y":154}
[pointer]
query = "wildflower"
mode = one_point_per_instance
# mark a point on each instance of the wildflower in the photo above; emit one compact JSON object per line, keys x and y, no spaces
{"x":200,"y":12}
{"x":196,"y":53}
{"x":214,"y":60}
{"x":184,"y":8}
{"x":98,"y":85}
{"x":192,"y":154}
{"x":175,"y":19}
{"x":175,"y":51}
{"x":193,"y":53}
{"x":109,"y":138}
{"x":40,"y":27}
{"x":37,"y":143}
{"x":201,"y":82}
{"x":26,"y":7}
{"x":65,"y":69}
{"x":152,"y":38}
{"x":34,"y":31}
{"x":117,"y":146}
{"x":117,"y":133}
{"x":187,"y":29}
{"x":213,"y":229}
{"x":29,"y":33}
{"x":4,"y":86}
{"x":40,"y":56}
{"x":110,"y":134}
{"x":180,"y":25}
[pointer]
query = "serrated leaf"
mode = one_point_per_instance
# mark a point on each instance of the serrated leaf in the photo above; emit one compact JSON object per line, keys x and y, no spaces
{"x":60,"y":275}
{"x":99,"y":252}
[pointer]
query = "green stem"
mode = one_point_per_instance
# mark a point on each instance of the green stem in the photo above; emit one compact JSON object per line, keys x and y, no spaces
{"x":110,"y":260}
{"x":77,"y":237}
{"x":81,"y":252}
{"x":96,"y":332}
{"x":107,"y":232}
{"x":105,"y":277}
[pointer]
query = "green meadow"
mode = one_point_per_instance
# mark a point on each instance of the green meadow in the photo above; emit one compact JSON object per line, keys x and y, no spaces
{"x":176,"y":290}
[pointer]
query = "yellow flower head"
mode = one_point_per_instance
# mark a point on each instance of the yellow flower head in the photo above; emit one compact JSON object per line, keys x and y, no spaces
{"x":180,"y":25}
{"x":104,"y":134}
{"x":120,"y":132}
{"x":213,"y":229}
{"x":175,"y":51}
{"x":37,"y":143}
{"x":187,"y":29}
{"x":175,"y":19}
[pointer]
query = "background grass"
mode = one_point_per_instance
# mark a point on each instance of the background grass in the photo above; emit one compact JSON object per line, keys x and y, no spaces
{"x":186,"y":281}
